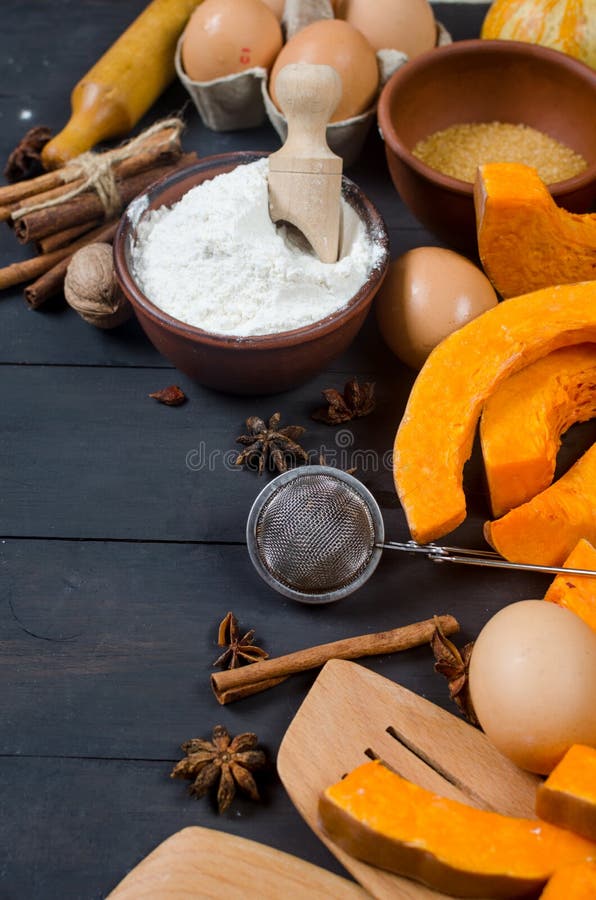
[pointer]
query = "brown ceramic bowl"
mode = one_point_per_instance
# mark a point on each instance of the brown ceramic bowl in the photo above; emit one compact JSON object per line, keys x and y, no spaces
{"x":484,"y":81}
{"x":244,"y":365}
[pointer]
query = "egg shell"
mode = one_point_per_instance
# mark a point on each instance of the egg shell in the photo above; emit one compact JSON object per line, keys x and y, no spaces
{"x":532,"y":682}
{"x":427,"y":294}
{"x":406,"y":25}
{"x":276,"y":6}
{"x":335,"y":43}
{"x":224,"y":37}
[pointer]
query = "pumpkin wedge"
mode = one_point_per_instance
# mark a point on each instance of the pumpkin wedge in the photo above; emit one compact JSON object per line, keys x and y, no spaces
{"x":572,"y":883}
{"x":525,"y":241}
{"x":577,"y":592}
{"x":545,"y":530}
{"x":568,"y":796}
{"x":522,"y":423}
{"x":436,"y":433}
{"x":379,"y":817}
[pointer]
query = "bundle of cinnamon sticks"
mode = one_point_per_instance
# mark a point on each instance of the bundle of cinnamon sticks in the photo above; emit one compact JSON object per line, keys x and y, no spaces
{"x":61,"y":211}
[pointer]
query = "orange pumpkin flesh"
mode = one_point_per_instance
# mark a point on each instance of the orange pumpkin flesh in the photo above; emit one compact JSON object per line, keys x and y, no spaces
{"x":379,"y":817}
{"x":577,"y":592}
{"x":572,"y":883}
{"x":565,"y":25}
{"x":545,"y":530}
{"x":525,"y":241}
{"x":568,"y":796}
{"x":436,"y":433}
{"x":522,"y":423}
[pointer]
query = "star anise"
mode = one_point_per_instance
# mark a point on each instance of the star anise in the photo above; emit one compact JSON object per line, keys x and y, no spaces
{"x":453,"y":664}
{"x":224,"y":761}
{"x":356,"y":401}
{"x":25,"y":160}
{"x":239,"y":650}
{"x":271,"y":444}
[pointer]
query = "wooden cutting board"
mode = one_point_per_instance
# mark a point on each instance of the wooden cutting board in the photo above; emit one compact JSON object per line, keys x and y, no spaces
{"x":198,"y":863}
{"x":351,"y":710}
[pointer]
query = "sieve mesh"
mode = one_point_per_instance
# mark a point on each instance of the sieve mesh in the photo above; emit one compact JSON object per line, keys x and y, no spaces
{"x":315,"y":534}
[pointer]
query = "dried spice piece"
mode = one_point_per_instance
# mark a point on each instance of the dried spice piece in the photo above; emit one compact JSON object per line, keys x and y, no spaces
{"x":271,"y":444}
{"x":239,"y":650}
{"x":453,"y":664}
{"x":25,"y":160}
{"x":223,"y":761}
{"x":356,"y":401}
{"x":171,"y":396}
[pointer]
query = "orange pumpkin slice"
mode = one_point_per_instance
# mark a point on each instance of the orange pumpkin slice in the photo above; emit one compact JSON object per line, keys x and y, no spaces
{"x":436,"y":433}
{"x":525,"y":241}
{"x":522,"y":423}
{"x":577,"y":592}
{"x":568,"y":796}
{"x":572,"y":883}
{"x":545,"y":530}
{"x":379,"y":817}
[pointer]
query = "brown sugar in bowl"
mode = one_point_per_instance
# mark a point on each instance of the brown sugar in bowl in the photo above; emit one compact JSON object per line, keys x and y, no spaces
{"x":258,"y":364}
{"x":484,"y":81}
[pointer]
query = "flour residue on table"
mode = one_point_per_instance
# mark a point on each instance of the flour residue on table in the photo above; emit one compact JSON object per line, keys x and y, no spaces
{"x":216,"y":260}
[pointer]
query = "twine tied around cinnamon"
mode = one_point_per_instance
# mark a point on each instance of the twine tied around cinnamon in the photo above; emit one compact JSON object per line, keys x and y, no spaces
{"x":97,"y":172}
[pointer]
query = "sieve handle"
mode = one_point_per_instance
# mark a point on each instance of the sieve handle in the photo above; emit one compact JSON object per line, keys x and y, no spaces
{"x":477,"y":558}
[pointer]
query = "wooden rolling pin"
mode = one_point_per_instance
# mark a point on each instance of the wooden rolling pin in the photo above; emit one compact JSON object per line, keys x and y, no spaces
{"x":111,"y":98}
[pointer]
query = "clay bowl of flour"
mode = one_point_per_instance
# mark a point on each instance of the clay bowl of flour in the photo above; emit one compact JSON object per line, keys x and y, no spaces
{"x":232,"y":301}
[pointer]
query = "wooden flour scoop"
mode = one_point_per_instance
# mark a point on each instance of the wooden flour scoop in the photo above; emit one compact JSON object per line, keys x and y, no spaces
{"x":305,"y":176}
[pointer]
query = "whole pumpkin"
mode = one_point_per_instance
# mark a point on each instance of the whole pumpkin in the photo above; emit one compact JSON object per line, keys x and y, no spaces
{"x":565,"y":25}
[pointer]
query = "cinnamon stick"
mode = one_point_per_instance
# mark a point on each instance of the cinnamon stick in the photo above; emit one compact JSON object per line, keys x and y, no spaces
{"x":52,"y":281}
{"x":87,"y":206}
{"x":233,"y":684}
{"x":27,"y":269}
{"x":11,"y":194}
{"x":62,"y":238}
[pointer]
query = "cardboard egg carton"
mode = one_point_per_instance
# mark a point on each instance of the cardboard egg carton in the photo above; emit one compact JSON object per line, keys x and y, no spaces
{"x":242,"y":100}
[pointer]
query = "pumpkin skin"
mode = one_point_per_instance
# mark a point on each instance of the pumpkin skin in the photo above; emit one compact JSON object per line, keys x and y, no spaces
{"x":565,"y":25}
{"x":383,"y":819}
{"x":545,"y":530}
{"x":525,"y":241}
{"x":522,"y":423}
{"x":436,"y":433}
{"x":577,"y":592}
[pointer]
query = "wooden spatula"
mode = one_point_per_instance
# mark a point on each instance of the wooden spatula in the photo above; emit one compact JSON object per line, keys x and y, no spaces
{"x":305,"y":176}
{"x":198,"y":863}
{"x":351,"y":710}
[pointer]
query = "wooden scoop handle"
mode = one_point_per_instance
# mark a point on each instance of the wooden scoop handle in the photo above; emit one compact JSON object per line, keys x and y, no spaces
{"x":305,"y":176}
{"x":308,"y":94}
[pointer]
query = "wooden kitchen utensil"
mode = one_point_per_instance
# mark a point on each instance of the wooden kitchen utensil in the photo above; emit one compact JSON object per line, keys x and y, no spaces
{"x":350,"y":714}
{"x":305,"y":176}
{"x":201,"y":863}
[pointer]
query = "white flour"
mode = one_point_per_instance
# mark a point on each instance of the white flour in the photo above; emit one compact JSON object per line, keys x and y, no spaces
{"x":215,"y":260}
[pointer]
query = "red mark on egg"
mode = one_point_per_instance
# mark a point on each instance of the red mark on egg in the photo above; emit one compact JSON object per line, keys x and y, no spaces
{"x":244,"y":55}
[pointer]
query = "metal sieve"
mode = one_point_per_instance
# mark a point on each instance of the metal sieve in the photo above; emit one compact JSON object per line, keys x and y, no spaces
{"x":316,"y":534}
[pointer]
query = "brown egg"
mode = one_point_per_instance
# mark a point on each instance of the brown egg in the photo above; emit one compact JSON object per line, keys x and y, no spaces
{"x":334,"y":43}
{"x":227,"y":36}
{"x":428,"y":293}
{"x":276,"y":6}
{"x":406,"y":25}
{"x":532,"y":681}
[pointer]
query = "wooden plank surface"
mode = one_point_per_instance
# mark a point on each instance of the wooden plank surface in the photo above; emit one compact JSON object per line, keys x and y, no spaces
{"x":119,"y":553}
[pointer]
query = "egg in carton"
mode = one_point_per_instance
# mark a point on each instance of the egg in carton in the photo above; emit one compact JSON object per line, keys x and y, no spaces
{"x":243,"y":100}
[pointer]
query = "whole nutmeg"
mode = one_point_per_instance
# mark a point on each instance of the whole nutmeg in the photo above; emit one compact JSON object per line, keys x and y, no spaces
{"x":91,"y":288}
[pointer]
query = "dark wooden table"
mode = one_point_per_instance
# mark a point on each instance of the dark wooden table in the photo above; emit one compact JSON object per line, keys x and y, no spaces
{"x":122,"y":535}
